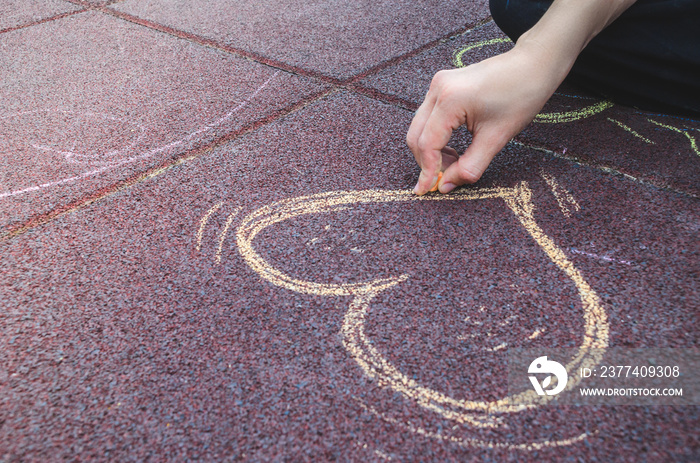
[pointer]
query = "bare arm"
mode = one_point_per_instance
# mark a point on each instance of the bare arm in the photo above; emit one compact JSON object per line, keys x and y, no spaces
{"x":498,"y":97}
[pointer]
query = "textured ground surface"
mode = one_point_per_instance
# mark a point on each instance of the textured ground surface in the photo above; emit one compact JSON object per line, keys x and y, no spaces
{"x":155,"y":305}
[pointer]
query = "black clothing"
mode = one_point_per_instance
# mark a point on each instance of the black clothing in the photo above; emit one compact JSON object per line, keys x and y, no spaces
{"x":649,"y":57}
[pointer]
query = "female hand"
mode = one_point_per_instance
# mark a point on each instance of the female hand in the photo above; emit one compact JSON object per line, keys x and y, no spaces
{"x":495,"y":98}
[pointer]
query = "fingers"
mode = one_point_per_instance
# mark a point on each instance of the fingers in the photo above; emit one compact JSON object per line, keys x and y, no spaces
{"x":431,"y":128}
{"x":470,"y":167}
{"x":415,"y":132}
{"x":431,"y":142}
{"x":417,"y":125}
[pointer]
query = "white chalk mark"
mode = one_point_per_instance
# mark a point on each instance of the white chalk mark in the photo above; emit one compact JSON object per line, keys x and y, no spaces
{"x":536,"y":334}
{"x":71,"y":156}
{"x":596,"y":256}
{"x":382,"y":455}
{"x":146,"y":155}
{"x":498,"y":347}
{"x":507,"y":320}
{"x":222,"y":235}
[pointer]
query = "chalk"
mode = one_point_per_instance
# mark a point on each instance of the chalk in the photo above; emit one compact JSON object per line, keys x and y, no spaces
{"x":629,"y":129}
{"x":435,"y":187}
{"x":473,"y":413}
{"x":222,"y":235}
{"x":693,"y":142}
{"x":596,"y":256}
{"x":574,"y":115}
{"x":203,"y":224}
{"x":112,"y":165}
{"x":563,"y":197}
{"x":472,"y":442}
{"x":457,"y":60}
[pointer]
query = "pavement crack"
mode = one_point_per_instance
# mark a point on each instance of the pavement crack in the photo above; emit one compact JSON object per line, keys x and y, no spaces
{"x":214,"y":44}
{"x":140,"y":177}
{"x":42,"y":21}
{"x":416,"y":51}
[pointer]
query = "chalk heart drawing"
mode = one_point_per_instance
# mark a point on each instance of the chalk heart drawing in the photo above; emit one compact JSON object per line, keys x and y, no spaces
{"x":589,"y":110}
{"x":472,"y":413}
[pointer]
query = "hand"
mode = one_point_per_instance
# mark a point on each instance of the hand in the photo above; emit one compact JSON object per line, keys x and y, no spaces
{"x":495,"y":98}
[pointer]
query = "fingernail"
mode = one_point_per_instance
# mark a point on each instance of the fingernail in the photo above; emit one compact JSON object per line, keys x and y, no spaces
{"x":447,"y":187}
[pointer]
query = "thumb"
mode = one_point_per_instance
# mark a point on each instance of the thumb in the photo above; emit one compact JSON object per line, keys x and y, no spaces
{"x":472,"y":164}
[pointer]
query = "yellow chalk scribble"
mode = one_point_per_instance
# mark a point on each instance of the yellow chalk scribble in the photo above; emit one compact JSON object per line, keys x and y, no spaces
{"x":571,"y":116}
{"x":693,"y":142}
{"x":203,"y":224}
{"x":222,"y":235}
{"x":629,"y":129}
{"x":457,"y":60}
{"x":370,"y":359}
{"x":563,"y":196}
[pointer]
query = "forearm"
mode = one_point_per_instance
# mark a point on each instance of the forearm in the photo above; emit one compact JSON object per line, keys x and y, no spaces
{"x":564,"y":31}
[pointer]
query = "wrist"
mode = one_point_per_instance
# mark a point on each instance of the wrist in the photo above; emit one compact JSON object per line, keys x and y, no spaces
{"x":551,"y":63}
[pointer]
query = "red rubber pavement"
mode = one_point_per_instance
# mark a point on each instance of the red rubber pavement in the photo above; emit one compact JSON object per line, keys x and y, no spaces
{"x":337,"y":39}
{"x":212,"y":300}
{"x":81,"y":115}
{"x":18,"y":13}
{"x":129,"y":339}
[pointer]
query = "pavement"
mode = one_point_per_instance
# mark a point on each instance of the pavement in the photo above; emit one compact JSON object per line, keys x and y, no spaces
{"x":210,"y":250}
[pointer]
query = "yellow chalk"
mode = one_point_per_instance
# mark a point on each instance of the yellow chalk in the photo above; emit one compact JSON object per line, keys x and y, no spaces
{"x":473,"y":413}
{"x":435,"y":187}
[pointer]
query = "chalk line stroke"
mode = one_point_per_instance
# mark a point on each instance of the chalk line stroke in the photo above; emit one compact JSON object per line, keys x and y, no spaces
{"x":203,"y":224}
{"x":693,"y":142}
{"x":224,"y":232}
{"x":478,"y":414}
{"x":457,"y":59}
{"x":596,"y":256}
{"x":146,"y":155}
{"x":471,"y":442}
{"x":630,"y":130}
{"x":562,"y":195}
{"x":502,"y":324}
{"x":73,"y":157}
{"x":221,"y":238}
